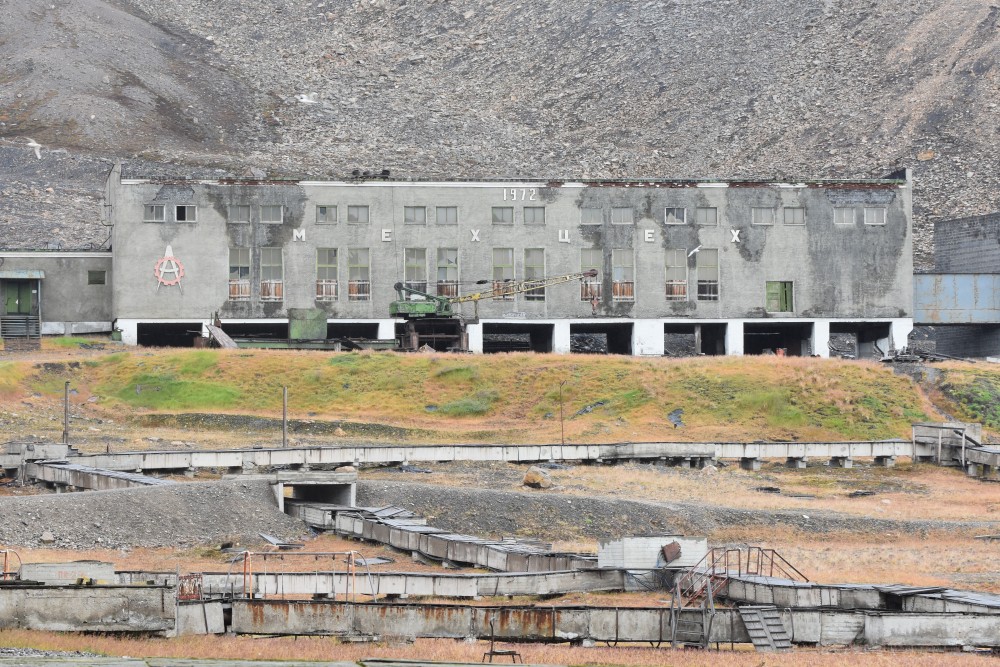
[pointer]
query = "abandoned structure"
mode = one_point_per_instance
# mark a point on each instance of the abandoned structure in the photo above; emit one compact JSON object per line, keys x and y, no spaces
{"x":957,"y":304}
{"x":684,"y":266}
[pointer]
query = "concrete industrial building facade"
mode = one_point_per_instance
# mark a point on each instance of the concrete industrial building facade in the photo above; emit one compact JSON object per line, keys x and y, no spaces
{"x":736,"y":267}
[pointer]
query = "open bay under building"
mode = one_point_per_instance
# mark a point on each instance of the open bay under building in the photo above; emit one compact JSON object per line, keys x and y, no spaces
{"x":684,"y":266}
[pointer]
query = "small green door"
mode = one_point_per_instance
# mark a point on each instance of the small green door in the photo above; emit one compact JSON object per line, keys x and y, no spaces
{"x":18,"y":297}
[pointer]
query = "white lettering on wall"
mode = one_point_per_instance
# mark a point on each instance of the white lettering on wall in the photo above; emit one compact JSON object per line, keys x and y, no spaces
{"x":298,"y":235}
{"x":648,"y":235}
{"x":387,"y":235}
{"x":736,"y":235}
{"x":475,"y":234}
{"x":563,"y":236}
{"x":519,"y":194}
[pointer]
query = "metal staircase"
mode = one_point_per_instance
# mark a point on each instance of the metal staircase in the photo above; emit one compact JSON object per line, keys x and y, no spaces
{"x":766,"y":629}
{"x":692,"y":609}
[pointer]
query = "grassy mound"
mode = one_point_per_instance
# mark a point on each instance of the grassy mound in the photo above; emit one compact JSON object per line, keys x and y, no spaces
{"x":513,"y":397}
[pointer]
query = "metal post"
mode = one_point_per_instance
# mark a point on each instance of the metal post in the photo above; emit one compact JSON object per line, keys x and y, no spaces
{"x":65,"y":433}
{"x":284,"y":417}
{"x":562,"y":425}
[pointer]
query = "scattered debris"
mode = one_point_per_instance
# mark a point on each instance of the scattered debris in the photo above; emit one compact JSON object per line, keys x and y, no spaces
{"x":587,"y":409}
{"x":767,"y":489}
{"x":861,"y":493}
{"x":552,"y":465}
{"x":408,"y":468}
{"x":281,"y":544}
{"x":675,"y":417}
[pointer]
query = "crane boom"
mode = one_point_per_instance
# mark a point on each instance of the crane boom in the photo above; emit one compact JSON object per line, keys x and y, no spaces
{"x":441,"y":306}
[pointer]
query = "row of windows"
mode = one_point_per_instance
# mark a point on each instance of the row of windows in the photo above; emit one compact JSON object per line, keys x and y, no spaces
{"x":445,"y":273}
{"x":706,"y":216}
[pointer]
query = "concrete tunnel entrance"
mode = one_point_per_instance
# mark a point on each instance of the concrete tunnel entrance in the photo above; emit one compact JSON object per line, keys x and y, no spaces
{"x":517,"y":337}
{"x":859,"y":340}
{"x":600,"y":338}
{"x":689,"y":340}
{"x":792,"y":337}
{"x":167,"y":334}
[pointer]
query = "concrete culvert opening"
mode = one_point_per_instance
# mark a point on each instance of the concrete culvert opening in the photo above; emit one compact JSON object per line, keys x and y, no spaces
{"x":521,"y":337}
{"x":174,"y":334}
{"x":794,"y":338}
{"x":601,"y":338}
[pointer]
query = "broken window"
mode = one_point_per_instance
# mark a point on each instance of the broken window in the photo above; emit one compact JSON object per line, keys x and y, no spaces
{"x":503,"y":215}
{"x":414,"y":215}
{"x":534,"y":215}
{"x":675,"y":265}
{"x":357,"y":215}
{"x":272,"y":214}
{"x":534,"y":269}
{"x":843,"y":215}
{"x":447,"y":271}
{"x":239,"y":214}
{"x":794,"y":215}
{"x":503,"y":271}
{"x":675,"y":216}
{"x":591,"y":216}
{"x":779,"y":297}
{"x":622,"y":274}
{"x":447,"y":215}
{"x":327,"y":287}
{"x":761,"y":215}
{"x":415,"y":270}
{"x":326,"y":215}
{"x":154,"y":213}
{"x":706,"y":216}
{"x":874,"y":215}
{"x":185,"y":213}
{"x":591,"y":259}
{"x":272,"y":285}
{"x":239,"y":274}
{"x":359,"y":286}
{"x":97,"y":277}
{"x":707,"y":271}
{"x":621,"y":215}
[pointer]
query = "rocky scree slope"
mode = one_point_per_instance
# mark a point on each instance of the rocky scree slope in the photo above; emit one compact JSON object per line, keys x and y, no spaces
{"x":657,"y":88}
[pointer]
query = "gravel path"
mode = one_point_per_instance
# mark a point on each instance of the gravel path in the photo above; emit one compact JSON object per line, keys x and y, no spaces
{"x":562,"y":517}
{"x":176,"y":515}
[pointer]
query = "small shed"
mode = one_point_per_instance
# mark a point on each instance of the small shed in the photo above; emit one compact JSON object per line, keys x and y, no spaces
{"x":645,"y":552}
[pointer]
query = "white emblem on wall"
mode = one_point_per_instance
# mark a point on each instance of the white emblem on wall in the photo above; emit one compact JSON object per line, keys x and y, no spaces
{"x":298,"y":235}
{"x":387,"y":235}
{"x":648,"y":235}
{"x":736,"y":234}
{"x":168,"y":270}
{"x":563,"y":236}
{"x":475,"y":234}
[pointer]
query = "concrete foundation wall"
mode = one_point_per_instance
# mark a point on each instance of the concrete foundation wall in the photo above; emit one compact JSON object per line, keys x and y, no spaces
{"x":88,"y":608}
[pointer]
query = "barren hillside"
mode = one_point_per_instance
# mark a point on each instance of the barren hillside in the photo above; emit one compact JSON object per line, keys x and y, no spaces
{"x":497,"y":88}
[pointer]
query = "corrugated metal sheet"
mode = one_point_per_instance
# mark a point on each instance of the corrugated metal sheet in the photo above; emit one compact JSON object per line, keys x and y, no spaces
{"x":956,"y":298}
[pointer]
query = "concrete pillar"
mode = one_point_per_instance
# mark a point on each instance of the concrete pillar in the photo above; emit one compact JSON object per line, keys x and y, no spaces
{"x":885,"y":461}
{"x":899,"y":331}
{"x":647,"y":338}
{"x":386,"y":329}
{"x":734,"y":338}
{"x":841,"y":462}
{"x":988,"y":471}
{"x":796,"y":462}
{"x":971,"y":469}
{"x":189,"y":472}
{"x":129,"y":328}
{"x":686,"y":462}
{"x":560,"y":337}
{"x":750,"y":463}
{"x":821,"y":338}
{"x":475,"y":334}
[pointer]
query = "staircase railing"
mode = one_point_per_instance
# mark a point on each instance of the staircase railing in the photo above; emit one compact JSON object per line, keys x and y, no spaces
{"x":770,"y":563}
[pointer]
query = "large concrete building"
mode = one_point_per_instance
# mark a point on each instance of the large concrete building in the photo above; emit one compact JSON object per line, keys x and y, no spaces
{"x":736,"y":267}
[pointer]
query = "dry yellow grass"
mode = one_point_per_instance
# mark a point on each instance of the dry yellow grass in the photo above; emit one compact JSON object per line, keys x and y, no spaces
{"x":329,"y":649}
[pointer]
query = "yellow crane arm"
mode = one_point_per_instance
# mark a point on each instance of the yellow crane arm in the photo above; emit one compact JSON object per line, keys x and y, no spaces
{"x":509,"y":288}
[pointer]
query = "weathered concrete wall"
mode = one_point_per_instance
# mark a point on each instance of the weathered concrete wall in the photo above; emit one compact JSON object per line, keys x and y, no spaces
{"x":200,"y":618}
{"x":67,"y":574}
{"x":853,"y":270}
{"x":88,"y":608}
{"x":67,"y":303}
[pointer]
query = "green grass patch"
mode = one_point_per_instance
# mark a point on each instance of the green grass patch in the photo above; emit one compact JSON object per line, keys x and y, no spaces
{"x":73,"y":341}
{"x":166,"y":392}
{"x":195,"y":363}
{"x":477,"y":404}
{"x":977,"y":393}
{"x":10,"y":378}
